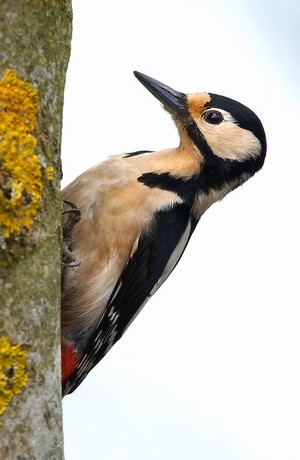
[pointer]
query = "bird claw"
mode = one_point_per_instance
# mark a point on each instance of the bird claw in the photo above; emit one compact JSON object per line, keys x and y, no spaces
{"x":69,"y":259}
{"x":73,"y":209}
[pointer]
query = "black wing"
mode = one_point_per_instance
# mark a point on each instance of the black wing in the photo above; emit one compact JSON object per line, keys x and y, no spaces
{"x":158,"y":251}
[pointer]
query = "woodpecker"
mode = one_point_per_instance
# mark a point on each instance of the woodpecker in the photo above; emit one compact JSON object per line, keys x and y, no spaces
{"x":138,"y":212}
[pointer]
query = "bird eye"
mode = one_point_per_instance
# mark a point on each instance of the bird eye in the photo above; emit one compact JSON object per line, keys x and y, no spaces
{"x":213,"y":117}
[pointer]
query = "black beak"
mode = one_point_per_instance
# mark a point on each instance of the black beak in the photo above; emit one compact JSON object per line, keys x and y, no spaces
{"x":171,"y":98}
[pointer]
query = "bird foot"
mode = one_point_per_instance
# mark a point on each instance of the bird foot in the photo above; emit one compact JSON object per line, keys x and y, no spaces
{"x":68,"y":257}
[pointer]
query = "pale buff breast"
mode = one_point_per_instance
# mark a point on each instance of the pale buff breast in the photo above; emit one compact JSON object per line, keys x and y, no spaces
{"x":115,"y":210}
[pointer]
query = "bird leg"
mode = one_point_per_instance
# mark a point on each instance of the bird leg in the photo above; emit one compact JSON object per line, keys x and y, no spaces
{"x":68,"y":257}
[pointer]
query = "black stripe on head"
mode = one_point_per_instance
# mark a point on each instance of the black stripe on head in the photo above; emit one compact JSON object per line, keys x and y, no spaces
{"x":217,"y":171}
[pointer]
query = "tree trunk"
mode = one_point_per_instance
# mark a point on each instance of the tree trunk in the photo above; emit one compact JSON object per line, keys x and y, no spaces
{"x":35,"y":38}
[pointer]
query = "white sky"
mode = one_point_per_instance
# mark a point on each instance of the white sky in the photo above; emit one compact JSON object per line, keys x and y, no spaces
{"x":210,"y":369}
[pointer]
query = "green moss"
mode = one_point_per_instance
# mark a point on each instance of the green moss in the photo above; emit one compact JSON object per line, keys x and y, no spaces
{"x":13,"y":376}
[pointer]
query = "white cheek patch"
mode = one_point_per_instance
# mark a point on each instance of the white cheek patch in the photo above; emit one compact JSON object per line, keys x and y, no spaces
{"x":228,"y":140}
{"x":234,"y":143}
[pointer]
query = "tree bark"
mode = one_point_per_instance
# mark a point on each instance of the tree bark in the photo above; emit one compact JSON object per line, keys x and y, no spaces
{"x":35,"y":40}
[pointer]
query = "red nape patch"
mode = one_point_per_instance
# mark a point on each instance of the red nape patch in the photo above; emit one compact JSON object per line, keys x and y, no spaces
{"x":69,"y":361}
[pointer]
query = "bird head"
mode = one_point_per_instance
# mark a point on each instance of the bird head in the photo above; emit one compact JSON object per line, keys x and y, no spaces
{"x":228,"y":135}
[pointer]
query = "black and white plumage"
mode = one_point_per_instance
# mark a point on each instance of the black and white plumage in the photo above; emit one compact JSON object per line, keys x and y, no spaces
{"x":138,"y":212}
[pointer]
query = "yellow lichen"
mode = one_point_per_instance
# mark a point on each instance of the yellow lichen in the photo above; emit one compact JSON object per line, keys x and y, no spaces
{"x":49,"y":172}
{"x":13,"y":376}
{"x":20,"y":169}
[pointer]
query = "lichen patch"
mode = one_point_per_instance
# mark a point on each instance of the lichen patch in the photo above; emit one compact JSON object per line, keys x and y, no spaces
{"x":20,"y":169}
{"x":13,"y":372}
